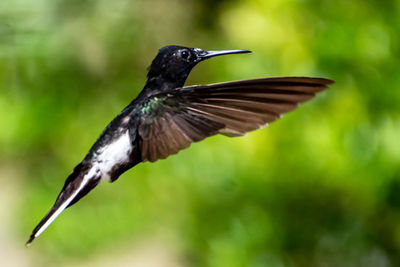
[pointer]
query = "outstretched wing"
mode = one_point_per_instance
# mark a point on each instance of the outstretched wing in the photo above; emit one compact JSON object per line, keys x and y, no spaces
{"x":171,"y":121}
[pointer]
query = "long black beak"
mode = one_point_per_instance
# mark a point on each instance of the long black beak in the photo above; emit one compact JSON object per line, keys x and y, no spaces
{"x":208,"y":54}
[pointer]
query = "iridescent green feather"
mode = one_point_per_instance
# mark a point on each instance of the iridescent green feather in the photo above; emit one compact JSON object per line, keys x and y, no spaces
{"x":152,"y":105}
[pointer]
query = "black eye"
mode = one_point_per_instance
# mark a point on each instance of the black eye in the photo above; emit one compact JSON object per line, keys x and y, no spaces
{"x":185,"y":54}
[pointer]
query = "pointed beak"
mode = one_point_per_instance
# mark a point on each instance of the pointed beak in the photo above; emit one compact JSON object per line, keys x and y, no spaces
{"x":208,"y":54}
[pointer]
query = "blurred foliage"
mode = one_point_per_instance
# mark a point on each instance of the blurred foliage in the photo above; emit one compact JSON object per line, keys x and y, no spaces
{"x":320,"y":187}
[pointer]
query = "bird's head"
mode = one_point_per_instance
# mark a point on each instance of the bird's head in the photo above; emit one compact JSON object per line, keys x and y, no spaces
{"x":173,"y":63}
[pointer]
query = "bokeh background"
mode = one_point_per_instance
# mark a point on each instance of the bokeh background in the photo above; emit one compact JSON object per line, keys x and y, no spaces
{"x":319,"y":187}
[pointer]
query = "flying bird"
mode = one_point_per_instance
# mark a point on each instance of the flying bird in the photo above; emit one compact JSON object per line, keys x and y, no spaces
{"x":167,"y":117}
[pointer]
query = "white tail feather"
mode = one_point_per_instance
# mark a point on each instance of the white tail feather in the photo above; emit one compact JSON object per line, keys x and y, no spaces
{"x":61,"y":208}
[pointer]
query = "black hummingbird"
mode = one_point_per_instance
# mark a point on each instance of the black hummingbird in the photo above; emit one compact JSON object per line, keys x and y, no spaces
{"x":166,"y":117}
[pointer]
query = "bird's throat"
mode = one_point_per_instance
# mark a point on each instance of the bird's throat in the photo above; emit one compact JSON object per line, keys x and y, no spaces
{"x":161,"y":84}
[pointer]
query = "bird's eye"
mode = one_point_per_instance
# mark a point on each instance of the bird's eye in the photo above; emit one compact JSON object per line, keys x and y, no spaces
{"x":185,"y":54}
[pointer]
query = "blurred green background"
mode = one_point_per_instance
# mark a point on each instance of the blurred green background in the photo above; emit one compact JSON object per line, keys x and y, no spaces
{"x":319,"y":187}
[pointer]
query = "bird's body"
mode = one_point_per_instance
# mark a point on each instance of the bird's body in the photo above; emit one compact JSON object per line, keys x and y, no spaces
{"x":167,"y":117}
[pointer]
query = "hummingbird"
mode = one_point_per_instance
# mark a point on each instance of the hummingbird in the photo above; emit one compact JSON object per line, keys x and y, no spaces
{"x":167,"y":117}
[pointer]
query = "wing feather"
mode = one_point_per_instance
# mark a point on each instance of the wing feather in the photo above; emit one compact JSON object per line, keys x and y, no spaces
{"x":181,"y":116}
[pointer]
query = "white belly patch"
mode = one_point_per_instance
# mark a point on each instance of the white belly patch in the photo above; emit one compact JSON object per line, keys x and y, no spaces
{"x":113,"y":154}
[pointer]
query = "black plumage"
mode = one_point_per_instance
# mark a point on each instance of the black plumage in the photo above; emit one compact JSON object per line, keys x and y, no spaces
{"x":167,"y":117}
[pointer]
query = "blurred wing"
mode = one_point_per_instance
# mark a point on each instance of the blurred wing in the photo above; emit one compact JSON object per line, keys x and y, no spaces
{"x":171,"y":121}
